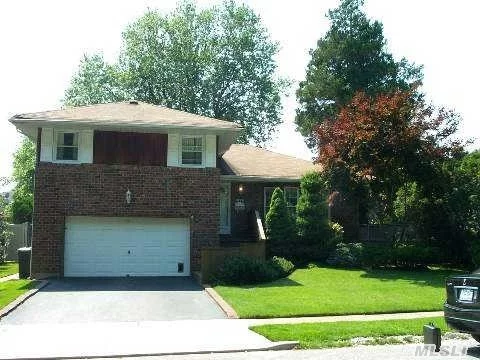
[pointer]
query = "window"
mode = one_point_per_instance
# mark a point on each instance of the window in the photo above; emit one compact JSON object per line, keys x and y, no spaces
{"x":290,"y":193}
{"x":291,"y":198}
{"x":267,"y":197}
{"x":192,"y":150}
{"x":67,"y":146}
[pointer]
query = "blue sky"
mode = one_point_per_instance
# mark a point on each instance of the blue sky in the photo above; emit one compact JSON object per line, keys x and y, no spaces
{"x":42,"y":43}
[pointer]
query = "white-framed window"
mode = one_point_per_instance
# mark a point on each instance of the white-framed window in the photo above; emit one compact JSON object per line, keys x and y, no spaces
{"x":291,"y":198}
{"x":66,"y":146}
{"x":267,"y":197}
{"x":192,"y":150}
{"x":291,"y":194}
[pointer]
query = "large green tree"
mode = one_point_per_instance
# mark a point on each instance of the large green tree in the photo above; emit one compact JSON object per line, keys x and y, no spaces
{"x":21,"y":208}
{"x":217,"y":62}
{"x":351,"y":57}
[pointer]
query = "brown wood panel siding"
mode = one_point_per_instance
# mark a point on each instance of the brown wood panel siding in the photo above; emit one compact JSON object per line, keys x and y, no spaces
{"x":129,"y":148}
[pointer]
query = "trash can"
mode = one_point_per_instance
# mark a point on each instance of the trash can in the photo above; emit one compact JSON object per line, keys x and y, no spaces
{"x":24,"y":256}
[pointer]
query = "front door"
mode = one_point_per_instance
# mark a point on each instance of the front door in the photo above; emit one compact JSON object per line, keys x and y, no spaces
{"x":225,"y":208}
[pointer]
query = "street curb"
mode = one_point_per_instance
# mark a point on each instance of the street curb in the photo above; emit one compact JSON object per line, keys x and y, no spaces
{"x":226,"y":308}
{"x":276,"y":346}
{"x":22,"y":298}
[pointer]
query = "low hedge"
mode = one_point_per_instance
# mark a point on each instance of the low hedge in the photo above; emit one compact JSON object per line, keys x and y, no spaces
{"x":241,"y":270}
{"x":367,"y":255}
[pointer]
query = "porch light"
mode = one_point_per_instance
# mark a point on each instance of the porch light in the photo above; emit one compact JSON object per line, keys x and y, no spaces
{"x":240,"y":189}
{"x":128,"y":196}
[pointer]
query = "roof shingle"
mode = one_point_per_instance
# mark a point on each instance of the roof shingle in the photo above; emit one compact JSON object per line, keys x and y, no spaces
{"x":127,"y":113}
{"x":250,"y":161}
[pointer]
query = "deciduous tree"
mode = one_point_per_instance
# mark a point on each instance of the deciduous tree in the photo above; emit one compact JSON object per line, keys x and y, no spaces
{"x":217,"y":62}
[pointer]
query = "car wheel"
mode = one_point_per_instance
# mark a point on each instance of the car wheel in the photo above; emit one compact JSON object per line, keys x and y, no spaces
{"x":476,"y":337}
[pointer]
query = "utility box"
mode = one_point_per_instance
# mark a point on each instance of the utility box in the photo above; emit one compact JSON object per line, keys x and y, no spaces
{"x":432,"y":335}
{"x":24,"y":258}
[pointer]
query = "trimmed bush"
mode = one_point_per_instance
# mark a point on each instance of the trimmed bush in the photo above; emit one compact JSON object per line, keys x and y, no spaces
{"x":312,"y":210}
{"x":241,"y":270}
{"x":346,"y":255}
{"x":283,"y":266}
{"x":280,"y":228}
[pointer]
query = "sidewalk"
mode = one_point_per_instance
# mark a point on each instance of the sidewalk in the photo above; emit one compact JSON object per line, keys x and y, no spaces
{"x":118,"y":339}
{"x":9,"y":277}
{"x":325,"y":319}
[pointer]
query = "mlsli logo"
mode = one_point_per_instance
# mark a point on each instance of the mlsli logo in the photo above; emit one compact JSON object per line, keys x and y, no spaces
{"x":446,"y":350}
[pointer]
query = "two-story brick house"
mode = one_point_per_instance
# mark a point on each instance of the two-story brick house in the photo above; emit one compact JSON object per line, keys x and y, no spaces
{"x":136,"y":189}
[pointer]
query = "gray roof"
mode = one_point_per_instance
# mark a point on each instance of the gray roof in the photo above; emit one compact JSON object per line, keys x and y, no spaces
{"x":251,"y":162}
{"x":125,"y":113}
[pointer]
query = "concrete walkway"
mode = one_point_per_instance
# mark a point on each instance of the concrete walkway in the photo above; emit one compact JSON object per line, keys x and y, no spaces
{"x":116,"y":339}
{"x":9,"y":277}
{"x":325,"y":319}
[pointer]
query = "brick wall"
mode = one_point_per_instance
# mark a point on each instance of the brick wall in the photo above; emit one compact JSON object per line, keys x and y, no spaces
{"x":99,"y":190}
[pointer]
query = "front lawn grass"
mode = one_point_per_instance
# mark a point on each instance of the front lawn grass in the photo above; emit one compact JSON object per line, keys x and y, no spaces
{"x":10,"y":290}
{"x":8,"y":268}
{"x":323,"y":335}
{"x":332,"y":291}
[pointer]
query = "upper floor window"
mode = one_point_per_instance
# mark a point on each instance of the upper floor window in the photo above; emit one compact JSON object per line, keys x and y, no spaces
{"x":192,"y":150}
{"x":67,"y":146}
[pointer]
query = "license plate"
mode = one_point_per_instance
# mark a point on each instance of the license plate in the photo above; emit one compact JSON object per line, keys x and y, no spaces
{"x":466,"y":295}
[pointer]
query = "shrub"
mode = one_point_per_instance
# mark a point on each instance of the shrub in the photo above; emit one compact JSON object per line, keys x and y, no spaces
{"x":5,"y":237}
{"x":346,"y":254}
{"x":411,"y":256}
{"x":240,"y":270}
{"x":377,"y":255}
{"x":312,"y":210}
{"x":283,"y":266}
{"x":279,"y":225}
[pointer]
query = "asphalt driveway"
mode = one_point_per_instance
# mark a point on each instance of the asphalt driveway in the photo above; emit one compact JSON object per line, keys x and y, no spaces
{"x":83,"y":300}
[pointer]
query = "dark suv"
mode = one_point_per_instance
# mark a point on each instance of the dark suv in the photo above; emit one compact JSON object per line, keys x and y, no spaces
{"x":462,"y":308}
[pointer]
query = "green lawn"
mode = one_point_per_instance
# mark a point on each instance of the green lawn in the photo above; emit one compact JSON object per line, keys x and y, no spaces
{"x":10,"y":290}
{"x":8,"y":268}
{"x":323,"y":335}
{"x":329,"y":291}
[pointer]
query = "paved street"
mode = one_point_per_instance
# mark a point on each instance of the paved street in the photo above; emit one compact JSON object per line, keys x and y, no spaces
{"x":451,"y":349}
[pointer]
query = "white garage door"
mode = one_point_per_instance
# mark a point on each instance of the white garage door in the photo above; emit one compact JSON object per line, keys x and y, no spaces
{"x":107,"y":246}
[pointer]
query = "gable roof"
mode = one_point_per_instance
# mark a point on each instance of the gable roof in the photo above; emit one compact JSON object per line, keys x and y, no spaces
{"x":126,"y":113}
{"x":253,"y":163}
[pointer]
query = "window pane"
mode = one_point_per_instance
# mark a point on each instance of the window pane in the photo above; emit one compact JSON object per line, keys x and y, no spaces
{"x":67,"y":153}
{"x":291,"y":196}
{"x":67,"y":139}
{"x":192,"y":144}
{"x":192,"y":158}
{"x":268,"y":192}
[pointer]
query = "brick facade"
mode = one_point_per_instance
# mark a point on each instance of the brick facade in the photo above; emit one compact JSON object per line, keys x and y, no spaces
{"x":99,"y":190}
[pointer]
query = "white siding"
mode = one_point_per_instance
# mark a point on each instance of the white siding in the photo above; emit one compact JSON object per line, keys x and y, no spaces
{"x":211,"y":151}
{"x":46,"y":150}
{"x":172,"y":152}
{"x":85,"y":146}
{"x":85,"y":150}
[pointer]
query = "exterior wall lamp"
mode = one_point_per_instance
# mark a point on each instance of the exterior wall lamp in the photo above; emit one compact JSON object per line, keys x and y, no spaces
{"x":128,"y":196}
{"x":240,"y":189}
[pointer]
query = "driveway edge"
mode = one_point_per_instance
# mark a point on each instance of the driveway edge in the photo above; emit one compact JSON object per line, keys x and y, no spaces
{"x":226,"y":308}
{"x":22,"y":298}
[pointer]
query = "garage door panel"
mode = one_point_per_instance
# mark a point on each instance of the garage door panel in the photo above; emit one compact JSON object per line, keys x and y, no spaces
{"x":98,"y":246}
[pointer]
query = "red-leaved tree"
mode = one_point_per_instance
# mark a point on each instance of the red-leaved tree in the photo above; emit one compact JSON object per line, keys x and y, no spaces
{"x":381,"y":142}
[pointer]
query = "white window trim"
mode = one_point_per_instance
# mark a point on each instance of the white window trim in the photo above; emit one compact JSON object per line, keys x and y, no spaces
{"x":291,"y":187}
{"x":55,"y":139}
{"x":265,"y":199}
{"x":284,"y":195}
{"x":180,"y":151}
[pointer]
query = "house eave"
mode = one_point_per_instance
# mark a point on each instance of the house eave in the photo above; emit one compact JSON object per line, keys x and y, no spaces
{"x":254,"y":178}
